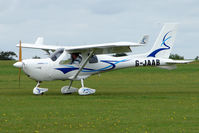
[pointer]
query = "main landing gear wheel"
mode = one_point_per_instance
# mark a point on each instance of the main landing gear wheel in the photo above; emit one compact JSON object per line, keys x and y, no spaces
{"x":85,"y":90}
{"x":68,"y":90}
{"x":39,"y":91}
{"x":82,"y":91}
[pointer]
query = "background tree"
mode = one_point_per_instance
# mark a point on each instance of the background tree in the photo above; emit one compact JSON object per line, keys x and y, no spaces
{"x":196,"y":59}
{"x":9,"y":55}
{"x":176,"y":57}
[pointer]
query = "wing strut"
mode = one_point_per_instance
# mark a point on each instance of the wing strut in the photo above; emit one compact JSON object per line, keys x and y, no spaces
{"x":80,"y":69}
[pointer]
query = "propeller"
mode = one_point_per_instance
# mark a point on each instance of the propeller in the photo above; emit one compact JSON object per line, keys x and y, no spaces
{"x":19,"y":64}
{"x":20,"y":60}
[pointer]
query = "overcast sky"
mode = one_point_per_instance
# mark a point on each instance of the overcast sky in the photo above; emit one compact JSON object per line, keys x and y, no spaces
{"x":79,"y":22}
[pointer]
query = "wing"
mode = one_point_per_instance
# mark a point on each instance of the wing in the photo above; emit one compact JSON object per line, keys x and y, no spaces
{"x":105,"y":48}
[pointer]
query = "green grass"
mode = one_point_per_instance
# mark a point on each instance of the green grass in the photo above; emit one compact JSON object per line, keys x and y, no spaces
{"x":141,"y":100}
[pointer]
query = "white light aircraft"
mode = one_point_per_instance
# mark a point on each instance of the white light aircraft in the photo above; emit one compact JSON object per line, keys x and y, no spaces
{"x":80,"y":62}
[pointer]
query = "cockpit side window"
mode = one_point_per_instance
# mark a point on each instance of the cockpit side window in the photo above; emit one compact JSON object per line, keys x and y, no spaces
{"x":56,"y":54}
{"x":76,"y":58}
{"x":73,"y":58}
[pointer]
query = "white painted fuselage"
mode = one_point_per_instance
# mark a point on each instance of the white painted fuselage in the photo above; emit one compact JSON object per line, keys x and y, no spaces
{"x":47,"y":70}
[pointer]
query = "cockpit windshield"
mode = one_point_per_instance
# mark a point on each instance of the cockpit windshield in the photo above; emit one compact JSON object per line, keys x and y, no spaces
{"x":54,"y":56}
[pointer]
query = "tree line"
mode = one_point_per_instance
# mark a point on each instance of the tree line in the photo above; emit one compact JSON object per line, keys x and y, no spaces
{"x":10,"y":55}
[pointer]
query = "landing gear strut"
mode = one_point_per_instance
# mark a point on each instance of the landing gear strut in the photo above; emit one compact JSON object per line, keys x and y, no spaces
{"x":83,"y":90}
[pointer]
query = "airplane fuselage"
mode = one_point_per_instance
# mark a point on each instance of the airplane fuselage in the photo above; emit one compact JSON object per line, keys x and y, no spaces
{"x":47,"y":70}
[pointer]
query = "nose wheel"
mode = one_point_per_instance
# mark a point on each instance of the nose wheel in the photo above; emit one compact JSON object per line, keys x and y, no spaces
{"x":39,"y":91}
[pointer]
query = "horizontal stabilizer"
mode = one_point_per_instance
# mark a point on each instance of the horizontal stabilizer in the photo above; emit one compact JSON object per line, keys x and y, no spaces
{"x":179,"y":61}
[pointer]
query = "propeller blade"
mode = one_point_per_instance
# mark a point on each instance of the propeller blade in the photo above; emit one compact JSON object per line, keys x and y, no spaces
{"x":20,"y":51}
{"x":20,"y":59}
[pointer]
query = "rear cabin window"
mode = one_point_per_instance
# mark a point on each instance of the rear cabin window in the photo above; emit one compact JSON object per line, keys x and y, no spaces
{"x":93,"y":59}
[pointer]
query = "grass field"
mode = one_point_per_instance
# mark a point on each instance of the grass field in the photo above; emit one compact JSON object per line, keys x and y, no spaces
{"x":133,"y":100}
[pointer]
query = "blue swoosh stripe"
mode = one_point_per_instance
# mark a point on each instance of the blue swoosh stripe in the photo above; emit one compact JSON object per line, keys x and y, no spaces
{"x":72,"y":68}
{"x":66,"y":70}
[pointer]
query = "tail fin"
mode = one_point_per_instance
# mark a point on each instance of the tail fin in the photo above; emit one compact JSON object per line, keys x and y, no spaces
{"x":164,"y":43}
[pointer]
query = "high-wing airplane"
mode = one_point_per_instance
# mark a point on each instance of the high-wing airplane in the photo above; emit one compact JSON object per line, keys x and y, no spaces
{"x":80,"y":62}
